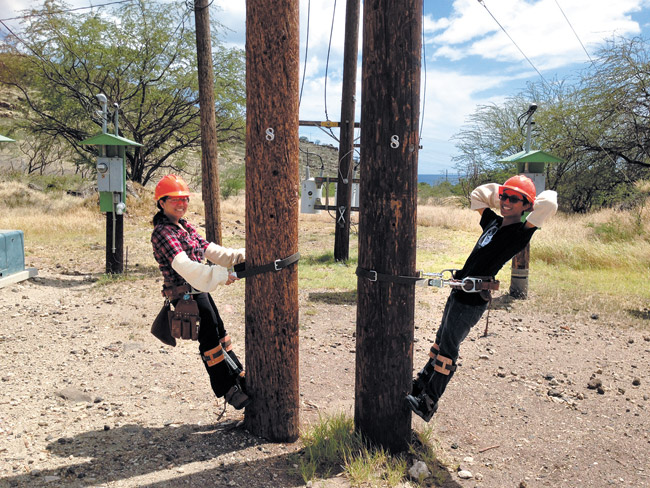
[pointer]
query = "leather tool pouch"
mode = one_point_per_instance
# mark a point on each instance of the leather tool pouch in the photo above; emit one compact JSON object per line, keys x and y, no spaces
{"x":161,"y":327}
{"x":184,"y":319}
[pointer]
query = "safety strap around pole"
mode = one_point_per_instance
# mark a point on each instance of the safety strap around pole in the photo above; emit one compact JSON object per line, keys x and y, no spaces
{"x":373,"y":275}
{"x":276,"y":265}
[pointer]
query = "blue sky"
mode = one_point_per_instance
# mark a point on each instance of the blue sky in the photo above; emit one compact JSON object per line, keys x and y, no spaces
{"x":469,"y":60}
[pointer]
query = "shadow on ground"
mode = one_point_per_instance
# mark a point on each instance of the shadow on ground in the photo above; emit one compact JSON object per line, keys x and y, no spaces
{"x":643,"y":314}
{"x":131,"y":451}
{"x":334,"y":297}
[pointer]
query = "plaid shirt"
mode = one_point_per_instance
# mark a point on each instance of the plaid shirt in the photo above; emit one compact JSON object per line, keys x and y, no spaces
{"x":169,"y":239}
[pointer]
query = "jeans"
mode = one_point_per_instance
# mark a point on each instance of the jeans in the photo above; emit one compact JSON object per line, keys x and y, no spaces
{"x":457,"y":320}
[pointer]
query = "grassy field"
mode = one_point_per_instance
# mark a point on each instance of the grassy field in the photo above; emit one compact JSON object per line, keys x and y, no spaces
{"x":596,"y":263}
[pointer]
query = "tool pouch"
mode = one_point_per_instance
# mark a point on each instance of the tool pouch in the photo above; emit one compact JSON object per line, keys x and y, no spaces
{"x":161,"y":326}
{"x":184,"y":319}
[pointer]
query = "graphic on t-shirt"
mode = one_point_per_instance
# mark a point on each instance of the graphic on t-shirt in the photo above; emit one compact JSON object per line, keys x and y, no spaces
{"x":486,"y":238}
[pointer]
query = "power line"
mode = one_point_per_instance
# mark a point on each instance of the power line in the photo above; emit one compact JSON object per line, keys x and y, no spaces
{"x":304,"y":69}
{"x":574,"y":32}
{"x":482,"y":2}
{"x":327,"y":63}
{"x":611,"y":158}
{"x":27,"y":16}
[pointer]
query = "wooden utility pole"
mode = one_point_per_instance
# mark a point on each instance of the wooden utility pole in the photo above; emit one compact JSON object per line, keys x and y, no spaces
{"x":390,"y":98}
{"x":209,"y":153}
{"x":346,"y":133}
{"x":272,"y":182}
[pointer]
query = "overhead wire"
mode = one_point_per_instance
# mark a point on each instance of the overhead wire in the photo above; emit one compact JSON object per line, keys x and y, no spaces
{"x":607,"y":154}
{"x":424,"y":96}
{"x":304,"y":69}
{"x":61,"y":11}
{"x":574,"y":32}
{"x":482,"y":2}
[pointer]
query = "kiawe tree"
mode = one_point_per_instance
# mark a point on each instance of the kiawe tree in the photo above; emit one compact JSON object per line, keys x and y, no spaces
{"x":142,"y":56}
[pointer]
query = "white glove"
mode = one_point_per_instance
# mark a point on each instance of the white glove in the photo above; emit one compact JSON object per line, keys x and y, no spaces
{"x":200,"y":276}
{"x":224,"y":256}
{"x":485,"y":196}
{"x":544,"y":208}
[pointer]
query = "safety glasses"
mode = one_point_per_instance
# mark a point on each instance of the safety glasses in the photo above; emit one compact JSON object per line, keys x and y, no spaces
{"x":514,"y":199}
{"x":178,"y":199}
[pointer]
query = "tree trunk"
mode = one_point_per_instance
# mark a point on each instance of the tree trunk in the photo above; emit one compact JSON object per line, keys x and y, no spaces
{"x":387,"y":228}
{"x":209,"y":154}
{"x":272,"y":72}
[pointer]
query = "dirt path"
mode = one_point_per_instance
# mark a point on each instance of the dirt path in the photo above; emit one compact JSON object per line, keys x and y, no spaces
{"x":89,"y":398}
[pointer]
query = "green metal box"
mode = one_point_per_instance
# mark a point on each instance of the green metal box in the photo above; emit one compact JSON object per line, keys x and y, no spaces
{"x":12,"y":252}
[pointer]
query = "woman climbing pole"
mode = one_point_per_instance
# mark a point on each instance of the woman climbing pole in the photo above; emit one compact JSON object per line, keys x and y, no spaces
{"x":179,"y":250}
{"x":503,"y":237}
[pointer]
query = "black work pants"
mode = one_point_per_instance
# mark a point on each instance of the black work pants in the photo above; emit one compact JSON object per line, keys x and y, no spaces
{"x":211,"y":332}
{"x":457,"y":320}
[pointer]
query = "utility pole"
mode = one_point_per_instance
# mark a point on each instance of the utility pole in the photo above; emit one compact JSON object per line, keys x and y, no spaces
{"x":209,"y":153}
{"x":272,"y":183}
{"x":346,"y":133}
{"x":521,"y":261}
{"x":390,"y":106}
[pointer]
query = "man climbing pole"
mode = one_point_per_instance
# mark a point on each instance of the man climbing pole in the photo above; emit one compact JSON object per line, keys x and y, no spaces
{"x":503,"y":237}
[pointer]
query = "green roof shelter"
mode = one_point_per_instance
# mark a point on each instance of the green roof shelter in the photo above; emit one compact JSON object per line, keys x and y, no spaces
{"x":532,"y":164}
{"x":111,"y":168}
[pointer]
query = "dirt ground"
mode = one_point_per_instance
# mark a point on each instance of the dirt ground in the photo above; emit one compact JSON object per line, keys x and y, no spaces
{"x":90,"y":398}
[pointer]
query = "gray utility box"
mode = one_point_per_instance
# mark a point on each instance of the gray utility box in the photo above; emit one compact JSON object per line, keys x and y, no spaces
{"x":12,"y":252}
{"x":110,"y":174}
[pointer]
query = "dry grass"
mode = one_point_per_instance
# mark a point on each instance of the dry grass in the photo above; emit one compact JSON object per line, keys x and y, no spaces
{"x":595,"y":262}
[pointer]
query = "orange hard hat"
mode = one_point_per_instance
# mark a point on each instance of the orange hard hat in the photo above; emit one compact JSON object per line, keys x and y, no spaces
{"x":522,"y":184}
{"x":171,"y":186}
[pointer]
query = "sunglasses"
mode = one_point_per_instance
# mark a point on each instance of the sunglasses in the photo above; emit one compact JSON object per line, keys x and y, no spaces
{"x":513,"y":198}
{"x":178,"y":199}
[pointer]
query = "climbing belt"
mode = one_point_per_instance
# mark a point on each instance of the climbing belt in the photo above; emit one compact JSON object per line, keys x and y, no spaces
{"x":469,"y":284}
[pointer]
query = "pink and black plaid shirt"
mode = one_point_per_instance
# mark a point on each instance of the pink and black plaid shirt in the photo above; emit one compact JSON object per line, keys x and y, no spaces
{"x":169,"y":239}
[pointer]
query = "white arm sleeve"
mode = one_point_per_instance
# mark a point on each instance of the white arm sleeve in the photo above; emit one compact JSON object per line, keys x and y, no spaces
{"x":224,"y":256}
{"x":485,"y":196}
{"x":544,"y":208}
{"x":200,"y":276}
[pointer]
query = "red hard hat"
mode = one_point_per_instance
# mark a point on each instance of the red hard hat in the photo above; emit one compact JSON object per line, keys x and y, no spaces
{"x":523,"y":184}
{"x":171,"y":186}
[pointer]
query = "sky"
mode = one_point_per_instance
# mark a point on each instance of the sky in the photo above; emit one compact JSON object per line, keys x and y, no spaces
{"x":469,"y":60}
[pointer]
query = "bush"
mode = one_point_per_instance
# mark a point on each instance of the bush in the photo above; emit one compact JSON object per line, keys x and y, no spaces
{"x":233,"y":180}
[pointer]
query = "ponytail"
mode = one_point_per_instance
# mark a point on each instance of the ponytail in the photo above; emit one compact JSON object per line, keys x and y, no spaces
{"x":160,"y":216}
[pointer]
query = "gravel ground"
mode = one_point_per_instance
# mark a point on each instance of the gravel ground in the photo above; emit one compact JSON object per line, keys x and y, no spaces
{"x":90,"y":398}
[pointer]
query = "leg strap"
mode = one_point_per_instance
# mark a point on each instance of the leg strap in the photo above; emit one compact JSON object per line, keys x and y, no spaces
{"x":213,"y":356}
{"x":226,"y":343}
{"x":435,"y":349}
{"x":444,"y":365}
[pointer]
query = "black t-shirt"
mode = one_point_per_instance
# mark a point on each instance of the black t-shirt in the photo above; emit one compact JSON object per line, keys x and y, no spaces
{"x":496,"y":246}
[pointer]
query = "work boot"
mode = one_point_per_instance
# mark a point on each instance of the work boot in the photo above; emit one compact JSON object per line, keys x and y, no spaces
{"x":237,"y":398}
{"x":422,"y":405}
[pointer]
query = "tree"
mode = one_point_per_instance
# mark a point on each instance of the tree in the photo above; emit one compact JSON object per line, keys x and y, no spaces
{"x":598,"y":125}
{"x":142,"y":57}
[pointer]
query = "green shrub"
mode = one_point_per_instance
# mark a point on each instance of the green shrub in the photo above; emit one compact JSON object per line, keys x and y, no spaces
{"x":232,"y":181}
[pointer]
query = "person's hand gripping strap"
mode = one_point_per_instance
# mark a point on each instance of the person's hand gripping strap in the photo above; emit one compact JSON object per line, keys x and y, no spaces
{"x":201,"y":276}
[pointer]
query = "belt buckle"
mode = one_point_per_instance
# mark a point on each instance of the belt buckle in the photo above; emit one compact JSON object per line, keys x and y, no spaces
{"x":275,"y":264}
{"x":375,"y":275}
{"x":473,"y":282}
